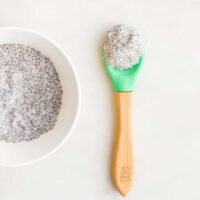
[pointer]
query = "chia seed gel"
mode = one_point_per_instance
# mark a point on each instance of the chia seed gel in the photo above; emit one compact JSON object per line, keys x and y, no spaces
{"x":30,"y":93}
{"x":123,"y":47}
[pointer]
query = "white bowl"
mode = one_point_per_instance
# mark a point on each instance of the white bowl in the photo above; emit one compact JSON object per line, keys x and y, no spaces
{"x":24,"y":153}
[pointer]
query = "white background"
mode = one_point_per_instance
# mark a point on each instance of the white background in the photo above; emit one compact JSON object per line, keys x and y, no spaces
{"x":166,"y":101}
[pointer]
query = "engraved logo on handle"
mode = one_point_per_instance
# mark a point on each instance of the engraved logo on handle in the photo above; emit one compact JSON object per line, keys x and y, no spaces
{"x":125,"y":174}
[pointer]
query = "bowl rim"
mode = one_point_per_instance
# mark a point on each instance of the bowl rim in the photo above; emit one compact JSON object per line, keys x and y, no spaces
{"x":73,"y":125}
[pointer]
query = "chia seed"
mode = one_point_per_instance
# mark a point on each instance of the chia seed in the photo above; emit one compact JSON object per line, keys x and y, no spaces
{"x":123,"y":47}
{"x":30,"y":93}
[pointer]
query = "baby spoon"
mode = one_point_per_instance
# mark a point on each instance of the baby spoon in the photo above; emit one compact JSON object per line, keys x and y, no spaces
{"x":123,"y":161}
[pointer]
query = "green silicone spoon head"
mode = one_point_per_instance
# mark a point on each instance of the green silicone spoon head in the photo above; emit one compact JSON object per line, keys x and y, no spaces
{"x":123,"y":56}
{"x":123,"y":79}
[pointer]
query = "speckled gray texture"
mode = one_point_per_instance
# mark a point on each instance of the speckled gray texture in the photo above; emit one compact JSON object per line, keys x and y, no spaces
{"x":30,"y":93}
{"x":123,"y":47}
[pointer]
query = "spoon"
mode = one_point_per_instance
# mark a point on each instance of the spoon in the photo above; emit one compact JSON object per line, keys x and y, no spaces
{"x":123,"y":168}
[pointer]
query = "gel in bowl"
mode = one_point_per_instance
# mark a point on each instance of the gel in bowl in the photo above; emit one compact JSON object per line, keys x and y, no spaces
{"x":24,"y":153}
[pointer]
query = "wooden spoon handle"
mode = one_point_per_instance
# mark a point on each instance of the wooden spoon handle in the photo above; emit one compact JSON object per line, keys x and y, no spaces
{"x":123,"y":166}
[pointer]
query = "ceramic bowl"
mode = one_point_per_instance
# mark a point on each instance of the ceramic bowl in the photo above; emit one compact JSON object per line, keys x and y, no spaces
{"x":18,"y":154}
